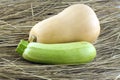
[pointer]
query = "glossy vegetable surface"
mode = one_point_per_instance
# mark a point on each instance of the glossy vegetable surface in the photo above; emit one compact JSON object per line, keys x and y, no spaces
{"x":64,"y":53}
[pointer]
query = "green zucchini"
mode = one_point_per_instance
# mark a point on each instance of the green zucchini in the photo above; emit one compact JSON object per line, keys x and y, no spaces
{"x":63,"y":53}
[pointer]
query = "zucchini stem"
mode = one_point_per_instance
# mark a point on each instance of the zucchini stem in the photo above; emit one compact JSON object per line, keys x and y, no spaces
{"x":21,"y":46}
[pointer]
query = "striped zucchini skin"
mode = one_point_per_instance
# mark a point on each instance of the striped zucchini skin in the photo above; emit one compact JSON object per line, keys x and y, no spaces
{"x":63,"y":53}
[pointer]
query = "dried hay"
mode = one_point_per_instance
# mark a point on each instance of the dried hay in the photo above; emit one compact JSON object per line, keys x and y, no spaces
{"x":16,"y":19}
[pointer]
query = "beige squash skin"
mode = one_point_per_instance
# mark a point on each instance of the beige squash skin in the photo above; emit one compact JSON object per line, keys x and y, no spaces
{"x":75,"y":23}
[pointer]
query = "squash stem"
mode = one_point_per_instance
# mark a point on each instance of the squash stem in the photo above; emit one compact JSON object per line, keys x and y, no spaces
{"x":32,"y":38}
{"x":21,"y":46}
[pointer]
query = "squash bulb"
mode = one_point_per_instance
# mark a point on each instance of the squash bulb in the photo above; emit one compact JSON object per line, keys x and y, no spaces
{"x":75,"y":23}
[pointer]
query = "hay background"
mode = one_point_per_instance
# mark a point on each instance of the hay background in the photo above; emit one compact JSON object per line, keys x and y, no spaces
{"x":16,"y":19}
